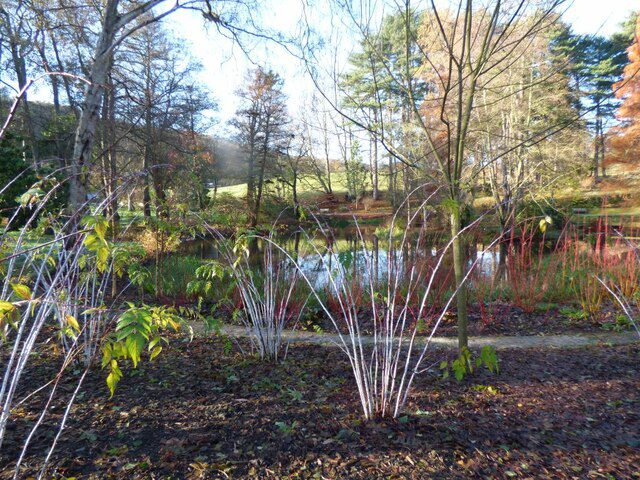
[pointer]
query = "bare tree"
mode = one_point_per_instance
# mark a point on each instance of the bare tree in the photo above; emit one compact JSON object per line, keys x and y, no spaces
{"x":463,"y":45}
{"x":293,"y":163}
{"x":17,"y":36}
{"x":117,"y":24}
{"x":260,"y":125}
{"x":318,"y":133}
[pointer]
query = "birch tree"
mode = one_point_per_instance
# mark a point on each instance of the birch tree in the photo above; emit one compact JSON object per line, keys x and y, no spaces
{"x":119,"y":20}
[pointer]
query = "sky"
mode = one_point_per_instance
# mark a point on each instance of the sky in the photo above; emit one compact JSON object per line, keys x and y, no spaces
{"x":599,"y":16}
{"x":225,"y":65}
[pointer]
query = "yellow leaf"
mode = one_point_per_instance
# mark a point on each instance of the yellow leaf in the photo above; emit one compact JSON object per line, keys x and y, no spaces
{"x":103,"y":256}
{"x":546,"y":221}
{"x":543,"y":225}
{"x":6,"y":307}
{"x":73,"y":323}
{"x":22,"y":291}
{"x":101,"y":228}
{"x":155,"y":352}
{"x":91,"y":241}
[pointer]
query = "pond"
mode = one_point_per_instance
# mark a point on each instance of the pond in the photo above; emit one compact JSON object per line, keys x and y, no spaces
{"x":362,"y":255}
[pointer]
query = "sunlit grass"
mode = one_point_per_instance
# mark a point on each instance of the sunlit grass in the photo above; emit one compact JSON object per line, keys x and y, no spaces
{"x":309,"y":186}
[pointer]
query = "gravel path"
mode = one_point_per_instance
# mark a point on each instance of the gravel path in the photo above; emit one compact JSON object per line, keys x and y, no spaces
{"x":498,"y":342}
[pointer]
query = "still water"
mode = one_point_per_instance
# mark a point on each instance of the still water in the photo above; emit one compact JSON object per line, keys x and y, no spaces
{"x":363,"y":255}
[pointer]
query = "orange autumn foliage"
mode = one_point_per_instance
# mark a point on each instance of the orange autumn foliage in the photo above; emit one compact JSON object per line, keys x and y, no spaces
{"x":625,"y":139}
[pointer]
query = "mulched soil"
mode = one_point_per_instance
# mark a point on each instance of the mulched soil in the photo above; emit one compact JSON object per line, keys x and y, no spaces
{"x":507,"y":319}
{"x":198,"y":412}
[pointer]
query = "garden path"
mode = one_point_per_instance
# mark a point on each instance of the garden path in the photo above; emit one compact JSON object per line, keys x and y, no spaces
{"x":577,"y":340}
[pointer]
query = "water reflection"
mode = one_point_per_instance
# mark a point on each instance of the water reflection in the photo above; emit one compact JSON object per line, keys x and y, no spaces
{"x":360,"y":258}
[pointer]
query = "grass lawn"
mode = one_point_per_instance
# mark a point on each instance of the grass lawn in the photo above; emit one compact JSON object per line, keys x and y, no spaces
{"x":309,"y":186}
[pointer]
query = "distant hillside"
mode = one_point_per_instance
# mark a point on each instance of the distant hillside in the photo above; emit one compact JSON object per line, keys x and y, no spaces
{"x":231,"y":161}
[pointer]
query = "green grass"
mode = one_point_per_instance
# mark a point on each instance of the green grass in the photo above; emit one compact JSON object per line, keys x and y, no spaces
{"x":239,"y":190}
{"x":176,"y":272}
{"x":127,"y":217}
{"x":613,"y":212}
{"x":309,"y":186}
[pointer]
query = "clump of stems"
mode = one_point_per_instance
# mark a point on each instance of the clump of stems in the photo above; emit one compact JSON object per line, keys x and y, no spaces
{"x":268,"y":294}
{"x":386,"y":364}
{"x":61,"y":278}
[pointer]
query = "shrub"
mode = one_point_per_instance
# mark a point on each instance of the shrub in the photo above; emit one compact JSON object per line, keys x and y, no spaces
{"x":269,"y":299}
{"x":225,"y":209}
{"x":159,"y":237}
{"x":529,"y":272}
{"x":385,"y":368}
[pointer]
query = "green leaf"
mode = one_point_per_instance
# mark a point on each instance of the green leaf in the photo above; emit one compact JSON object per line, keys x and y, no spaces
{"x":133,"y":330}
{"x":114,"y":377}
{"x":134,"y":345}
{"x":489,"y":358}
{"x":459,"y":370}
{"x":107,"y":355}
{"x":155,"y":352}
{"x":153,"y":343}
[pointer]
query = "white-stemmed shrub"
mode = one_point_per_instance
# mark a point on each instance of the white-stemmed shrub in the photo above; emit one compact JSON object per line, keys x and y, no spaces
{"x":398,"y":308}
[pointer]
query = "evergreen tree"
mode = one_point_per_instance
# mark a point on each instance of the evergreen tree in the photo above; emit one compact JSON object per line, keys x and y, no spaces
{"x":596,"y":63}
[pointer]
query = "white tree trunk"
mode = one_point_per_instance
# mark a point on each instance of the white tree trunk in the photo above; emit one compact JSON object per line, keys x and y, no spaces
{"x":90,"y":114}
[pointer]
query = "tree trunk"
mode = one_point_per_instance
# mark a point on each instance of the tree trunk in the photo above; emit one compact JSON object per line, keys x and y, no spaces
{"x":160,"y":194}
{"x":329,"y":187}
{"x":596,"y":153}
{"x":459,"y":271}
{"x":258,"y":198}
{"x":374,"y":164}
{"x":392,"y":187}
{"x":501,"y":271}
{"x":294,"y":193}
{"x":263,"y":165}
{"x":146,"y":199}
{"x":602,"y":152}
{"x":21,"y":74}
{"x":130,"y":205}
{"x":146,"y":167}
{"x":90,"y":113}
{"x":251,"y":166}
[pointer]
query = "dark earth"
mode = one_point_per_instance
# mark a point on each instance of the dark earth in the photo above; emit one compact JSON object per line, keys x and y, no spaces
{"x":202,"y":411}
{"x":506,"y":319}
